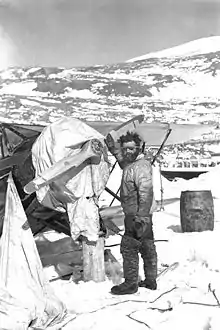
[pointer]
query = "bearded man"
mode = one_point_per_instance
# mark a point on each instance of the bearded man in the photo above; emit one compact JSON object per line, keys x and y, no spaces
{"x":136,"y":194}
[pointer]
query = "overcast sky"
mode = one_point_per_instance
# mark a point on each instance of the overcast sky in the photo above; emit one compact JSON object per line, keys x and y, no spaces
{"x":84,"y":32}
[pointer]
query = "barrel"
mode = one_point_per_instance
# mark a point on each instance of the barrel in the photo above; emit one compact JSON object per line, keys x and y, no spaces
{"x":196,"y":211}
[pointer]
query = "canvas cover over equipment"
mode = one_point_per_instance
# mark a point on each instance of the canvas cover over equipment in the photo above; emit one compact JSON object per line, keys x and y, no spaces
{"x":76,"y":180}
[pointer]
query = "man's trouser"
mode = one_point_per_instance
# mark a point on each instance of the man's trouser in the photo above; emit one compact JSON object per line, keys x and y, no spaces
{"x":131,"y":246}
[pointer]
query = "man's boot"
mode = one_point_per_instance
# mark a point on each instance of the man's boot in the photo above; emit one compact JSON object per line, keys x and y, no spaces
{"x":149,"y":256}
{"x":129,"y":250}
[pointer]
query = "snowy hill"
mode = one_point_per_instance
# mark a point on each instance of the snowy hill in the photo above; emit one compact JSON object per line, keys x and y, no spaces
{"x":182,"y":87}
{"x":195,"y":47}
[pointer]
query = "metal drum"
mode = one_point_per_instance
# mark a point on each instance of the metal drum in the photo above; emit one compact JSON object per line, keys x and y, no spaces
{"x":196,"y":211}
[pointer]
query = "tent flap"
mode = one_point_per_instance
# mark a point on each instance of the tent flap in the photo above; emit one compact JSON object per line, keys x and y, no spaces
{"x":25,"y":292}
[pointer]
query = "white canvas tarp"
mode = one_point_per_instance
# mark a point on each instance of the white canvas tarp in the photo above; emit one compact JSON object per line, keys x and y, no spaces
{"x":76,"y":193}
{"x":26,"y":297}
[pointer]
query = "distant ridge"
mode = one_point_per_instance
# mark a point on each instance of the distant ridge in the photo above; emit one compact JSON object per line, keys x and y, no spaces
{"x":176,"y":85}
{"x":195,"y":47}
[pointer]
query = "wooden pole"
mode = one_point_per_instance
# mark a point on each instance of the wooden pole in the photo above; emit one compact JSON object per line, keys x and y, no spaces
{"x":93,"y":260}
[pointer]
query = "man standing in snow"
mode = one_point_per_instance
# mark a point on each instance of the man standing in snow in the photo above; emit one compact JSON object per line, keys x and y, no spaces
{"x":136,"y":195}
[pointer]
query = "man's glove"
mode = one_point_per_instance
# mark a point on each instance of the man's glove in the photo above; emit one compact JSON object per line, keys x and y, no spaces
{"x":110,"y":143}
{"x":142,"y":227}
{"x":139,"y":229}
{"x":115,"y":149}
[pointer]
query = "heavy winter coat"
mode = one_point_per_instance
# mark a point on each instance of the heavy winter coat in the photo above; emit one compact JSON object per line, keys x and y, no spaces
{"x":137,"y":196}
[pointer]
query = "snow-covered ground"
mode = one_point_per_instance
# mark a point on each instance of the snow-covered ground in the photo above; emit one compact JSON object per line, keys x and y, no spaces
{"x":188,"y":294}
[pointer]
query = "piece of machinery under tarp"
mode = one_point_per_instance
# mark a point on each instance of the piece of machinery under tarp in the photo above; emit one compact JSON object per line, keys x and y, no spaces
{"x":16,"y":141}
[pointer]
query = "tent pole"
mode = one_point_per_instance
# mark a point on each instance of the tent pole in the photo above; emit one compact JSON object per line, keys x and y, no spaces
{"x":113,"y":167}
{"x":162,"y":145}
{"x":161,"y":190}
{"x":153,"y":161}
{"x":112,"y":193}
{"x":115,"y":197}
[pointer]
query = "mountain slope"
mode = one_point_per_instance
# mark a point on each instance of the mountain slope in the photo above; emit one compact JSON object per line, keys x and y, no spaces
{"x":195,"y":47}
{"x":180,"y":89}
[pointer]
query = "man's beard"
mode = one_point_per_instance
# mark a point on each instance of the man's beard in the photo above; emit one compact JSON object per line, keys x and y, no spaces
{"x":131,"y":157}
